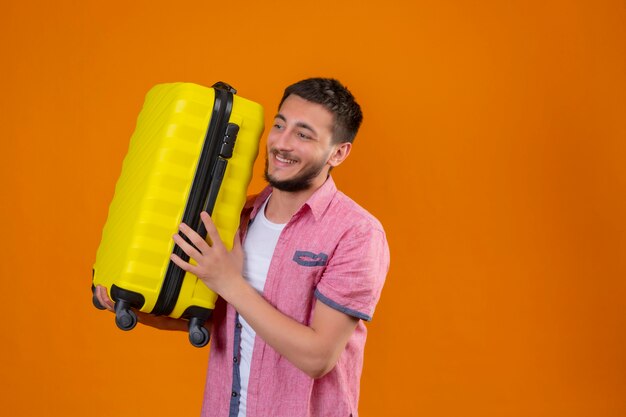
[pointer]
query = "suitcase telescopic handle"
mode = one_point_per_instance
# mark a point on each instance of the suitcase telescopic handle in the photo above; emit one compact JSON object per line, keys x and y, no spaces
{"x":225,"y":153}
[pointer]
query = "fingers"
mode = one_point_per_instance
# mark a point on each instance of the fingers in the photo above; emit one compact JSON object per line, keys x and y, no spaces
{"x":194,"y":237}
{"x":211,"y":230}
{"x":208,"y":257}
{"x":186,"y":247}
{"x":103,"y":298}
{"x":185,"y":266}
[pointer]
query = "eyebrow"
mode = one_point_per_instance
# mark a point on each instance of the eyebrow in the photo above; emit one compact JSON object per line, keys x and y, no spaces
{"x":298,"y":124}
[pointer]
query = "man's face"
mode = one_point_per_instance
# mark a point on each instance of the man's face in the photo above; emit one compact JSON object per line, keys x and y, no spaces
{"x":299,"y":146}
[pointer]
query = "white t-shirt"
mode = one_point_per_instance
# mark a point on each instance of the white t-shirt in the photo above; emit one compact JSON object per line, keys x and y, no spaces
{"x":258,"y":249}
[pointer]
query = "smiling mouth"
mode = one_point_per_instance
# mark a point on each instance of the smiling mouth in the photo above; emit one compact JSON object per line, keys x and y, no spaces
{"x":284,"y":160}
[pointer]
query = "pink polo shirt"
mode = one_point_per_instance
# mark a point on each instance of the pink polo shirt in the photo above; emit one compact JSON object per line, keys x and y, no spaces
{"x":332,"y":250}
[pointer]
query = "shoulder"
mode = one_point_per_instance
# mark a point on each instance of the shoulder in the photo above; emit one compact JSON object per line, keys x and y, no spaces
{"x":352,"y":215}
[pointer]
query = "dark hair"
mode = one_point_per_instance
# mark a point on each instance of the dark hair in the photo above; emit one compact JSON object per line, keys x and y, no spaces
{"x":336,"y":98}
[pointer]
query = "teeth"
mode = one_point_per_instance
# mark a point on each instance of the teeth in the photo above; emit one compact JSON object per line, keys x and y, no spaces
{"x":284,"y":160}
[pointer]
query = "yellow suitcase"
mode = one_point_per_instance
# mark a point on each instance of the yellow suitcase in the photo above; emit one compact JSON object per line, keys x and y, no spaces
{"x":193,"y":149}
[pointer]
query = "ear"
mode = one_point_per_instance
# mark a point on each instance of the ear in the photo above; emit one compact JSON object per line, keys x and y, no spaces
{"x":339,"y":154}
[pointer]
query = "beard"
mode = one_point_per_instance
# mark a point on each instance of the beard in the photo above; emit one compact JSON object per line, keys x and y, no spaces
{"x":300,"y":182}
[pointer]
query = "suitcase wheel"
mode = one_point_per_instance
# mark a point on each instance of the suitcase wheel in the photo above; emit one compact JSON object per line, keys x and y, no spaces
{"x":198,"y":334}
{"x":125,"y":318}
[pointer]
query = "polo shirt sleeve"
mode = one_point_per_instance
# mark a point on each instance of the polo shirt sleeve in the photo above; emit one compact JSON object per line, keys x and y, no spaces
{"x":355,"y":273}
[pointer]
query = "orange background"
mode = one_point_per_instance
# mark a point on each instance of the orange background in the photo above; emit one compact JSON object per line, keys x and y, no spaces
{"x":493,"y":151}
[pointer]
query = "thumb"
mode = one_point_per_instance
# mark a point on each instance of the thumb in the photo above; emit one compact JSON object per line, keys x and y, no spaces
{"x":237,"y":243}
{"x":237,"y":250}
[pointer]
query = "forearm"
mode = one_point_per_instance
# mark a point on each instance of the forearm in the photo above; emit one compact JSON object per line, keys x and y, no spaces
{"x":312,"y":349}
{"x":167,"y":323}
{"x":160,"y":322}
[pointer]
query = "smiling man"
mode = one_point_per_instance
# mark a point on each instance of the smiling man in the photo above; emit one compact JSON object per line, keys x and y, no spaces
{"x":305,"y":272}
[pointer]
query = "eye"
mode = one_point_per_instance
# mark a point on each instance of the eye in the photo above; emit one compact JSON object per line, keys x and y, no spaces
{"x":278,"y":125}
{"x":303,"y":135}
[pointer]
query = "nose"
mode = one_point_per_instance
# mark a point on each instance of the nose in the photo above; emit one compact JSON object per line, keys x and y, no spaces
{"x":280,"y":139}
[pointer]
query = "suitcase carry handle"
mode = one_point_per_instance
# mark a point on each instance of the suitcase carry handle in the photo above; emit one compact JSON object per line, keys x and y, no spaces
{"x":225,"y":86}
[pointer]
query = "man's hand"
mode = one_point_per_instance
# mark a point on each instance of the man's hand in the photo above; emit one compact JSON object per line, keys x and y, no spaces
{"x":216,"y":266}
{"x":103,"y":298}
{"x":314,"y":349}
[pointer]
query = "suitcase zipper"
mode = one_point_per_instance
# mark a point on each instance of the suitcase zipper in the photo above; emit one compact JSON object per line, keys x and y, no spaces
{"x":219,"y":138}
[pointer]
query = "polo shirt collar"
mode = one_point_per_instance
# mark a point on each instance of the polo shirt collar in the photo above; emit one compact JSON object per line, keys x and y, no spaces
{"x":321,"y":198}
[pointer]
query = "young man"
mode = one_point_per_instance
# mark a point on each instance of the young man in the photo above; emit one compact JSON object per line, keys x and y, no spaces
{"x":287,"y":333}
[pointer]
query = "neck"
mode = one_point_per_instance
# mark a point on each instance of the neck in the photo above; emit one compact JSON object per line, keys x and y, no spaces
{"x":284,"y":204}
